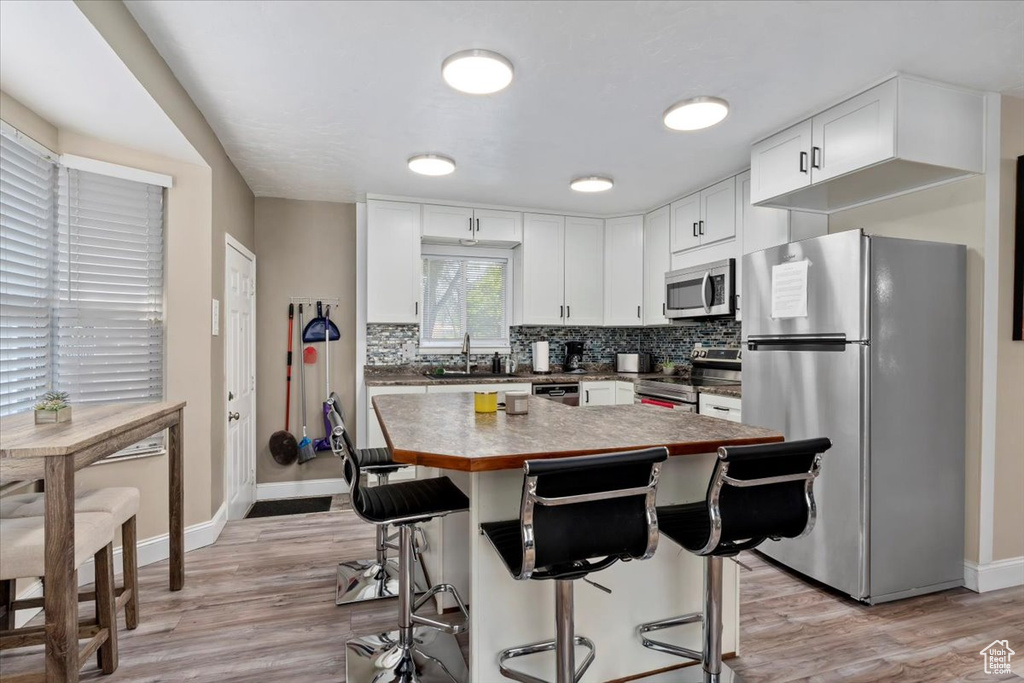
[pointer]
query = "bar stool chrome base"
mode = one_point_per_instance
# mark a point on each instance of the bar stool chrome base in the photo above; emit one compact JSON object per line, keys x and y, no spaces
{"x":364,"y":580}
{"x":694,"y":674}
{"x":433,"y":657}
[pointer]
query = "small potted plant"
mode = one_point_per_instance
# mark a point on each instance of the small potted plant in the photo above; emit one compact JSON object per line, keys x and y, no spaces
{"x":668,"y":367}
{"x":53,"y":407}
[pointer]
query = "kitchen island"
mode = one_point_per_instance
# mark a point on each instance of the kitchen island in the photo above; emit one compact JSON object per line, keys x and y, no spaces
{"x":484,"y":455}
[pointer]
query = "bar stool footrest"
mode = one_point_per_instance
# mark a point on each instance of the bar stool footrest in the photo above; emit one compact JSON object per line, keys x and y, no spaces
{"x":669,"y":648}
{"x":543,"y":646}
{"x":453,"y":629}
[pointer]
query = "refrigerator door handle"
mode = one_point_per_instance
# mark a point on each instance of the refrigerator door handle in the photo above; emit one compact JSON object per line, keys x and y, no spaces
{"x":705,"y":299}
{"x":802,"y":343}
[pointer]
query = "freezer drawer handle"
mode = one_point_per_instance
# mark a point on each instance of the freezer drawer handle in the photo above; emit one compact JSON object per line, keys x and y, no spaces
{"x":798,"y":344}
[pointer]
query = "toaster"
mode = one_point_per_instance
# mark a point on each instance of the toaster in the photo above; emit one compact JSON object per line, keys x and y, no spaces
{"x":634,"y":362}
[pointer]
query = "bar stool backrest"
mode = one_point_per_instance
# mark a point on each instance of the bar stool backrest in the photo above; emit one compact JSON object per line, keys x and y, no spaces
{"x":760,"y":492}
{"x":342,"y":446}
{"x":597,"y":507}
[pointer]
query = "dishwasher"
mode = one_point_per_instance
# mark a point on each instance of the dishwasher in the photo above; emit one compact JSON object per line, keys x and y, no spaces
{"x":568,"y":393}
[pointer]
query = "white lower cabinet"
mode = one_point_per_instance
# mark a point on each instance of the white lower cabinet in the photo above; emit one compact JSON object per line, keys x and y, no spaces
{"x":597,"y":393}
{"x":374,"y":434}
{"x":624,"y":393}
{"x":723,"y":407}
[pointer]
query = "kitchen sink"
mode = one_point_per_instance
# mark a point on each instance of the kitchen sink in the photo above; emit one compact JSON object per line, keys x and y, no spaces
{"x":462,"y":374}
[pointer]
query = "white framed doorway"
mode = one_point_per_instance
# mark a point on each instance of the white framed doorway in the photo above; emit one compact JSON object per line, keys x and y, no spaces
{"x":240,"y":376}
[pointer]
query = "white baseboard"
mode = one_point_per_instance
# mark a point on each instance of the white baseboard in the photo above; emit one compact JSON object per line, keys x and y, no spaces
{"x":994,"y":575}
{"x":300,"y":489}
{"x":150,"y":551}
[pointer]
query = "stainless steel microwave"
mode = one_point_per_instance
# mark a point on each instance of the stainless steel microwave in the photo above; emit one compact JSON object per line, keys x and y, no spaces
{"x":701,"y":292}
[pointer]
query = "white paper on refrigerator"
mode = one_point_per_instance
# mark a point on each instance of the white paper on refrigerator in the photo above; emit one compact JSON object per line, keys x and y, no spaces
{"x":789,"y":290}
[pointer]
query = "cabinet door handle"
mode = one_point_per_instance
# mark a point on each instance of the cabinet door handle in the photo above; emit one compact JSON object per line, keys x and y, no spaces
{"x":803,"y":162}
{"x":702,"y":227}
{"x":663,"y":310}
{"x":416,"y":306}
{"x":638,"y":311}
{"x":724,"y":410}
{"x":815,"y":157}
{"x":694,"y":229}
{"x":478,"y":225}
{"x":561,"y":311}
{"x":586,"y":392}
{"x":471,"y":225}
{"x":568,"y":311}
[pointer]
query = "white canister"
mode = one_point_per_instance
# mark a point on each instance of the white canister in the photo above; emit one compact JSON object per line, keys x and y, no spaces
{"x":517,"y":403}
{"x":540,"y":356}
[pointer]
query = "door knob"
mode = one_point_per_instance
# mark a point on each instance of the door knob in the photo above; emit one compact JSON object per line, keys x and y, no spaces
{"x":231,"y":396}
{"x":233,"y":416}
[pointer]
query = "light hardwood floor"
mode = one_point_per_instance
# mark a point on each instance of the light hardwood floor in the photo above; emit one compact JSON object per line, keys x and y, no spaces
{"x":259,"y":606}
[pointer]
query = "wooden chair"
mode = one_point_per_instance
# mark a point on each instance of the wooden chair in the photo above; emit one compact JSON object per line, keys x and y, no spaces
{"x":22,"y":553}
{"x":122,"y":504}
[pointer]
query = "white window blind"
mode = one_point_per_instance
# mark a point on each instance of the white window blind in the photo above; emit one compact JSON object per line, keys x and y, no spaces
{"x":27,"y":193}
{"x":464,"y":294}
{"x":109,"y":337}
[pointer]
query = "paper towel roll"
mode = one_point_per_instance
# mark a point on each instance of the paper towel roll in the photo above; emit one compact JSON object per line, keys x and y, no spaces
{"x":540,"y":357}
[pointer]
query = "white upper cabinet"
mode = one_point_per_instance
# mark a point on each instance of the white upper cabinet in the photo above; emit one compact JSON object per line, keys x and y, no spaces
{"x":584,"y":271}
{"x":393,"y":262}
{"x":686,"y":223}
{"x":624,"y":270}
{"x":857,"y":133}
{"x":902,"y":135}
{"x":781,"y":163}
{"x":704,"y":217}
{"x":657,"y":262}
{"x":456,"y":223}
{"x":447,"y":222}
{"x":718,"y":212}
{"x":543,"y":270}
{"x":498,"y":226}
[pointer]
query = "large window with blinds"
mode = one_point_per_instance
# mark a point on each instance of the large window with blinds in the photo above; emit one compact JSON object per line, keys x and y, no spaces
{"x":465,"y":293}
{"x":81,"y":284}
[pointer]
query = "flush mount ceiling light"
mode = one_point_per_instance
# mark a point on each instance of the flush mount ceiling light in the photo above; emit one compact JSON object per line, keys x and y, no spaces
{"x":431,"y":164}
{"x":696,"y":113}
{"x":477,"y":72}
{"x":591,"y":183}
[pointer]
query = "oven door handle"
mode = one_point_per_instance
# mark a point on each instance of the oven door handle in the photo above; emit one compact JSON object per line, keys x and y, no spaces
{"x":705,"y":285}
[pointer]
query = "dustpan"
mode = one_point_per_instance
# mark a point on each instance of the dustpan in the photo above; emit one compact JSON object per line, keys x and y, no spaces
{"x":320,"y":328}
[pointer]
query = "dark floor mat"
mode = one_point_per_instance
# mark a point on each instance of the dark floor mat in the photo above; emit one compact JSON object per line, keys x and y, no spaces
{"x":289,"y":506}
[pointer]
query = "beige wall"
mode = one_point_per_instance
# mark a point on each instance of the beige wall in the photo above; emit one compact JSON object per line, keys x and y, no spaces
{"x":303,"y":249}
{"x":950,"y":213}
{"x":1008,"y":524}
{"x":187,"y":375}
{"x":233,"y":201}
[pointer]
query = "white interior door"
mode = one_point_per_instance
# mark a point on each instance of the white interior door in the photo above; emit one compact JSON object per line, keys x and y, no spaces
{"x":240,"y":368}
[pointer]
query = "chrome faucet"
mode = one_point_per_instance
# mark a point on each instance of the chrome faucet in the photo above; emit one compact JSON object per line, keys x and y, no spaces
{"x":465,"y":351}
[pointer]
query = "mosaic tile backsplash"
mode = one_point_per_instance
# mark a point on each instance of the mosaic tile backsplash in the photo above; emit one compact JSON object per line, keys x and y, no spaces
{"x":398,"y":344}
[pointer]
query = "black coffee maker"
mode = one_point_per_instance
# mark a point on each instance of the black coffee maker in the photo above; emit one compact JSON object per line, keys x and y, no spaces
{"x":573,"y":356}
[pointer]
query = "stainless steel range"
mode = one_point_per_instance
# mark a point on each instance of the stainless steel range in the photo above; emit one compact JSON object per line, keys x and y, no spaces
{"x":714,"y":366}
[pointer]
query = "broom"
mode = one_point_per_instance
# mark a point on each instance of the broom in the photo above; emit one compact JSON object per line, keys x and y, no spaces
{"x":306,"y":452}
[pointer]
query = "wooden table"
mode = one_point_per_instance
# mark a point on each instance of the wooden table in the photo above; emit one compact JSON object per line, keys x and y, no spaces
{"x":483,"y":454}
{"x":53,"y":452}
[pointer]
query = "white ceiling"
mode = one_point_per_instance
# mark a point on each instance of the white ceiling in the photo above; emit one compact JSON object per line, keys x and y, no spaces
{"x":318,"y":100}
{"x":54,"y":62}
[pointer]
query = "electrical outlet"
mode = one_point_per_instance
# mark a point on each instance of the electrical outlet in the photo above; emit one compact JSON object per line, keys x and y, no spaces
{"x":215,"y":310}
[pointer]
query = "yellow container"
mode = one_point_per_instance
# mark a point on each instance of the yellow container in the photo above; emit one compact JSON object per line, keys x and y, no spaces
{"x":486,"y":401}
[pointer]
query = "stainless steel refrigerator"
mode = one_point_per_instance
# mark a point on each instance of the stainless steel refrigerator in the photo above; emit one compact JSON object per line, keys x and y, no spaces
{"x":863,"y":339}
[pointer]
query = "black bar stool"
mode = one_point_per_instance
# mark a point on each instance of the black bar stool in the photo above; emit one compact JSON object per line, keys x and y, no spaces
{"x":755,"y":493}
{"x":577,"y":516}
{"x":377,"y":577}
{"x":422,"y":650}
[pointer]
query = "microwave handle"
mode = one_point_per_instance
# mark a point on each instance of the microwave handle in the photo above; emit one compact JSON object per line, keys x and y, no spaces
{"x":704,"y":286}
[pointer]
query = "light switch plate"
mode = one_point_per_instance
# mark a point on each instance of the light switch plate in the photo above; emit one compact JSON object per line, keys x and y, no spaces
{"x":216,"y":318}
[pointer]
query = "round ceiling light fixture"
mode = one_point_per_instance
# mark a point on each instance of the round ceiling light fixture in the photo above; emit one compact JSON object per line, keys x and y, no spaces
{"x":431,"y":164}
{"x":696,"y":113}
{"x":477,"y":72}
{"x":591,"y":183}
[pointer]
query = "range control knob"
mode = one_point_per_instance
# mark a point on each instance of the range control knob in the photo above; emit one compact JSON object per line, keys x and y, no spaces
{"x":694,"y":353}
{"x":703,"y":353}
